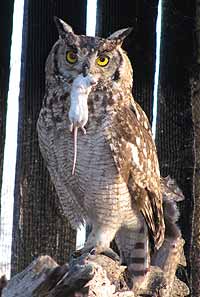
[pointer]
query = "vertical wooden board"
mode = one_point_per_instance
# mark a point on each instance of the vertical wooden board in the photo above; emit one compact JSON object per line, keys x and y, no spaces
{"x":195,"y":94}
{"x":195,"y":247}
{"x":6,"y":15}
{"x":141,"y":45}
{"x":174,"y":135}
{"x":39,"y":227}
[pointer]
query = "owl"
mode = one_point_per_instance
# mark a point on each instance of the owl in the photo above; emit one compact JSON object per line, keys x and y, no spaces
{"x":98,"y":147}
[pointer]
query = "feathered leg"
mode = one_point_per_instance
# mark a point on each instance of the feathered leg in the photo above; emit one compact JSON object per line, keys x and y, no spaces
{"x":99,"y":242}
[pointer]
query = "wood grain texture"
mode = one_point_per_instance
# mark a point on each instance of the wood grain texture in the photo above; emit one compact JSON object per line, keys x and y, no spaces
{"x":89,"y":275}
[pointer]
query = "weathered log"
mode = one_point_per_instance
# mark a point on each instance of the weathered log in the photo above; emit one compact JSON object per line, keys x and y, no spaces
{"x":97,"y":275}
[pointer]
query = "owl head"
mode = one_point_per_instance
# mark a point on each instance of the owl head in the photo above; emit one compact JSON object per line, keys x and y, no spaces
{"x":101,"y":58}
{"x":80,"y":62}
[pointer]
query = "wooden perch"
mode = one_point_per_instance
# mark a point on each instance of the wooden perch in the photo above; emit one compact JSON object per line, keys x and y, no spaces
{"x":98,"y":276}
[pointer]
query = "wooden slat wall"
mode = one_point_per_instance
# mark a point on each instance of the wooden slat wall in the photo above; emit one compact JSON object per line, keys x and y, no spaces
{"x":39,"y":227}
{"x":141,"y":15}
{"x":175,"y":128}
{"x":6,"y":14}
{"x":195,"y":247}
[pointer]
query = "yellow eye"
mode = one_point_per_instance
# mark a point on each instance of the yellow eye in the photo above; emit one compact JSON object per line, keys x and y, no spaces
{"x":71,"y":57}
{"x":102,"y":60}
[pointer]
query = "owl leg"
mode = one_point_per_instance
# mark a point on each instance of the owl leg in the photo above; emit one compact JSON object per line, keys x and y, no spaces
{"x":134,"y":252}
{"x":99,"y":240}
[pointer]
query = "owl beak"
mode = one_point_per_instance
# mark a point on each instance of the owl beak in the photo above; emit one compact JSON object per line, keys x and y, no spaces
{"x":85,"y":69}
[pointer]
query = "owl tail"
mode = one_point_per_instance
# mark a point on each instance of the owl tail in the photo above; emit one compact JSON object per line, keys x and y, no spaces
{"x":135,"y":254}
{"x":138,"y":260}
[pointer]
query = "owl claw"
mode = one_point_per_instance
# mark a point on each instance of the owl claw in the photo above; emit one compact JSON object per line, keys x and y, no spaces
{"x":108,"y":252}
{"x":111,"y":254}
{"x":97,"y":250}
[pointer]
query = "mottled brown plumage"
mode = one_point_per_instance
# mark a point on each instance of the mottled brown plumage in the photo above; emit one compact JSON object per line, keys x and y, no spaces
{"x":116,"y":182}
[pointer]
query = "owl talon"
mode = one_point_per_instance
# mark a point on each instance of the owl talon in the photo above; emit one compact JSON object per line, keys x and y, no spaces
{"x":77,"y":253}
{"x":111,"y":254}
{"x":108,"y":252}
{"x":98,"y":250}
{"x":85,"y":250}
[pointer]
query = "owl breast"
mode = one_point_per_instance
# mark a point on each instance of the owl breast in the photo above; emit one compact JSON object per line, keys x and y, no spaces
{"x":97,"y":187}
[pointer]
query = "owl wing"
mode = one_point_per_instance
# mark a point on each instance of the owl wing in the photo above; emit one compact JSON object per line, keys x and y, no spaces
{"x":49,"y":150}
{"x":135,"y":156}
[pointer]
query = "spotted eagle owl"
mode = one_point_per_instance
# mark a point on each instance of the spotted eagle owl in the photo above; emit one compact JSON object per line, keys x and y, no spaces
{"x":98,"y":146}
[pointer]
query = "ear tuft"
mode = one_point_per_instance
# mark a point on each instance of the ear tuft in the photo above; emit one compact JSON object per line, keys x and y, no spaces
{"x":63,"y":28}
{"x":121,"y":34}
